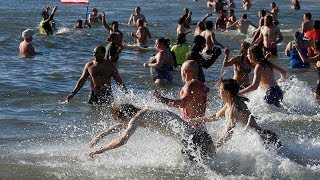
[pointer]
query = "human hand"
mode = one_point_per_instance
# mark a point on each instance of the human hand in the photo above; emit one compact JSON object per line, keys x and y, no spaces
{"x":70,"y":97}
{"x":103,"y":14}
{"x":280,"y":80}
{"x":156,"y":94}
{"x":54,"y":9}
{"x":209,"y":14}
{"x":226,"y":51}
{"x":268,"y":55}
{"x":92,"y":152}
{"x":145,"y":64}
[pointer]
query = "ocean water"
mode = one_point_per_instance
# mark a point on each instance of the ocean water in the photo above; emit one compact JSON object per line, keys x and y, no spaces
{"x":42,"y":137}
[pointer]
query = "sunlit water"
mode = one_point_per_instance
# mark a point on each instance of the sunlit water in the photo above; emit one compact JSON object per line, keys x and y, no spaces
{"x":42,"y":137}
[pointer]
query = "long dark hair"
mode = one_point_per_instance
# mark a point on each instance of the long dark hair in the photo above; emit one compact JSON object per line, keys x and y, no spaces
{"x":257,"y":52}
{"x":124,"y":111}
{"x":233,"y":88}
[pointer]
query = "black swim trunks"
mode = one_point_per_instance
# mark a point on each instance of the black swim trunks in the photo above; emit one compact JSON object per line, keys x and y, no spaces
{"x":100,"y":97}
{"x":274,"y":95}
{"x":199,"y":142}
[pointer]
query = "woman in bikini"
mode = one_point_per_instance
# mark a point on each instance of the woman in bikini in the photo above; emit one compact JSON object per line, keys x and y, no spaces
{"x":241,"y":65}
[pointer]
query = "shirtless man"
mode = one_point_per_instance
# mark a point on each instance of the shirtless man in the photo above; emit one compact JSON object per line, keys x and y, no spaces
{"x":231,"y":19}
{"x":142,"y":34}
{"x":100,"y":72}
{"x":136,"y":16}
{"x":242,"y":24}
{"x":246,"y":4}
{"x":270,"y":35}
{"x":197,"y":143}
{"x":94,"y":17}
{"x":274,"y":10}
{"x":209,"y":35}
{"x":307,"y":23}
{"x":26,"y":49}
{"x":218,"y":6}
{"x":193,"y":95}
{"x":113,"y":30}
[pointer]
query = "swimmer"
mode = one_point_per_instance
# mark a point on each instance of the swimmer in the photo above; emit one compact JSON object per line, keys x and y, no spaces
{"x":142,"y":34}
{"x":264,"y":76}
{"x":130,"y":118}
{"x":26,"y":49}
{"x":237,"y":113}
{"x":193,"y":95}
{"x":46,"y":26}
{"x":100,"y":72}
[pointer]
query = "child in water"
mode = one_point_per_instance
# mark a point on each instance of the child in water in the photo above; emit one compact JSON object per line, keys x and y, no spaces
{"x":236,"y":112}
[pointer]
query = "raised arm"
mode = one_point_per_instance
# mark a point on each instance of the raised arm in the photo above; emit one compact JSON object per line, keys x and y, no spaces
{"x":104,"y":23}
{"x":226,"y":61}
{"x":281,"y":71}
{"x":111,"y":130}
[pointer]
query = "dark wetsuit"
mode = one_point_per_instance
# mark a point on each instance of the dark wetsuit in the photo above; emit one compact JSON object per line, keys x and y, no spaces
{"x":194,"y":54}
{"x":274,"y":95}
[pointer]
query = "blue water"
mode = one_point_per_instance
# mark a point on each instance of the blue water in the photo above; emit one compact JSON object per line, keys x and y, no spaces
{"x":42,"y":137}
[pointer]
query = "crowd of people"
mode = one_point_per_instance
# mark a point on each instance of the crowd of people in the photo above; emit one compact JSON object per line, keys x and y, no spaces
{"x":253,"y":57}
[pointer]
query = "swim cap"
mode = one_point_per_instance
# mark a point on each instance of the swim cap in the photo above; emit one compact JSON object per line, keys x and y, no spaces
{"x":27,"y":33}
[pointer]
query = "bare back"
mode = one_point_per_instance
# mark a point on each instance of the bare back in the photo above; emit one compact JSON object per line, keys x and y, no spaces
{"x":197,"y":96}
{"x":143,"y":34}
{"x":266,"y":75}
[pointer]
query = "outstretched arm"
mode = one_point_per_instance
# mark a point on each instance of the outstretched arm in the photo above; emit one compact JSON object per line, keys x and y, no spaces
{"x":256,"y":81}
{"x":229,"y":129}
{"x":104,"y":23}
{"x":111,"y":130}
{"x":122,"y":139}
{"x":80,"y":83}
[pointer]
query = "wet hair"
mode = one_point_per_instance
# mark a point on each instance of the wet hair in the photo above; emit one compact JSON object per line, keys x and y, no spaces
{"x":244,"y":16}
{"x":308,"y":15}
{"x":316,"y":45}
{"x":181,"y":39}
{"x":209,"y":25}
{"x":268,"y":19}
{"x":257,"y":53}
{"x":181,"y":20}
{"x":124,"y":111}
{"x":163,"y":41}
{"x":199,"y":41}
{"x":316,"y":24}
{"x":231,"y":10}
{"x":114,"y":22}
{"x":94,"y":10}
{"x":167,"y":43}
{"x":43,"y":13}
{"x":140,"y":22}
{"x":233,"y":88}
{"x":244,"y":48}
{"x":298,"y":35}
{"x":101,"y":48}
{"x":263,"y":12}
